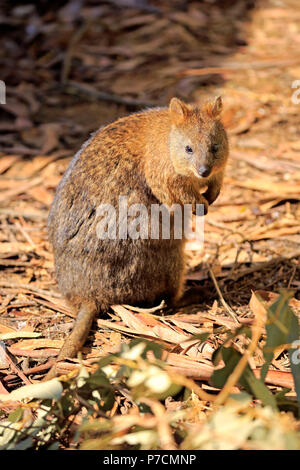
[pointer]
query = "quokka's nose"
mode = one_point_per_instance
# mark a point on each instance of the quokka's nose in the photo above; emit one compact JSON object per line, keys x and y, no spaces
{"x":204,"y":171}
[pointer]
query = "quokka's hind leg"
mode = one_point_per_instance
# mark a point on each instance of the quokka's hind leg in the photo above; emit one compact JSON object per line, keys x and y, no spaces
{"x":78,"y":336}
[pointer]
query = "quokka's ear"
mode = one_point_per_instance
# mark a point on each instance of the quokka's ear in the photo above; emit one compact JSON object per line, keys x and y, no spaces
{"x":178,"y":111}
{"x":214,"y":108}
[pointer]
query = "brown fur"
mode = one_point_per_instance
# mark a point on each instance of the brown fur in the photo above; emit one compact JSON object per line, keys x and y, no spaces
{"x":141,"y":156}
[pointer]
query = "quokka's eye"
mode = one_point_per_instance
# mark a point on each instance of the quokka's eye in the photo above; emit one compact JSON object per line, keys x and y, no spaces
{"x":214,"y":148}
{"x":188,"y":149}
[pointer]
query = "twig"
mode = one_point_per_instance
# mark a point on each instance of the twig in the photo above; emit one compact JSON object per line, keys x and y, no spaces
{"x":189,"y":383}
{"x":144,"y":310}
{"x":257,"y":329}
{"x":263,"y":265}
{"x":40,"y":368}
{"x":292,"y":276}
{"x":28,"y":287}
{"x":104,"y":96}
{"x":163,"y":427}
{"x":38,"y":354}
{"x":68,"y":56}
{"x":25,"y":234}
{"x":27,"y":215}
{"x":223,"y":302}
{"x":6,"y":195}
{"x":137,"y":5}
{"x":13,"y":366}
{"x":262,"y":64}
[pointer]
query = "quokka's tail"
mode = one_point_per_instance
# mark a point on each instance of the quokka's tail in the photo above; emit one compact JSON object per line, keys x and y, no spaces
{"x":78,"y":336}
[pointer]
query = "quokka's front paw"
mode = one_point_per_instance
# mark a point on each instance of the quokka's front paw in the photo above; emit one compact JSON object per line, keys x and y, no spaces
{"x":211,"y":196}
{"x":204,"y":204}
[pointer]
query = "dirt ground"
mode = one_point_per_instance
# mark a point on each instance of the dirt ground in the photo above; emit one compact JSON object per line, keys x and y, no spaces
{"x":79,"y":69}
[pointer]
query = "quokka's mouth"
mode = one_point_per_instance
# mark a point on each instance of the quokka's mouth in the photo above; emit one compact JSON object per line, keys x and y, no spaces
{"x":198,"y":176}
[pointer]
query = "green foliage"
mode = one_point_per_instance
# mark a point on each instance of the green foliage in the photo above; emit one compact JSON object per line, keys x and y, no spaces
{"x":16,"y":415}
{"x":281,"y":329}
{"x":254,"y":386}
{"x":138,"y":374}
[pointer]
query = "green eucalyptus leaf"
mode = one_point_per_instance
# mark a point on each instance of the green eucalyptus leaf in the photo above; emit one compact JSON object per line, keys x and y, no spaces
{"x":16,"y":415}
{"x":278,"y":328}
{"x":252,"y":385}
{"x":217,"y":355}
{"x":294,"y":353}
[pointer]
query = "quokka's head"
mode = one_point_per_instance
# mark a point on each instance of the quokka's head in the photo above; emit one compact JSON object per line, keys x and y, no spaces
{"x":198,"y":141}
